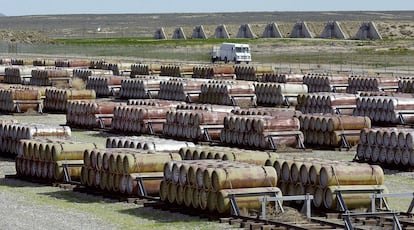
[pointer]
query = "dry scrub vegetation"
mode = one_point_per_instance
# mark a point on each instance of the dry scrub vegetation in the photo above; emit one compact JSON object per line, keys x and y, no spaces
{"x":391,"y":24}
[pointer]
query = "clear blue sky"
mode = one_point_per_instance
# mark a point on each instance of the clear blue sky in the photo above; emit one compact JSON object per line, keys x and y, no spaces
{"x":41,"y":7}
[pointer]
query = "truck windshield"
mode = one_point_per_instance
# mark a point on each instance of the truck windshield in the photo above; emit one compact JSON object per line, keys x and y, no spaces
{"x":242,"y":49}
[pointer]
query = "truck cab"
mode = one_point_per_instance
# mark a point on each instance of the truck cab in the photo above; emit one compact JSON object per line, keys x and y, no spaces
{"x":231,"y":52}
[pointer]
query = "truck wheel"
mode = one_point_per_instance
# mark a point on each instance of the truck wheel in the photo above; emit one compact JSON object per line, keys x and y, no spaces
{"x":225,"y":60}
{"x":247,"y":62}
{"x":213,"y":60}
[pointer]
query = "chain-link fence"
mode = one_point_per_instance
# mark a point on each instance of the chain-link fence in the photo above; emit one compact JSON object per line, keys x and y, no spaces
{"x":285,"y":60}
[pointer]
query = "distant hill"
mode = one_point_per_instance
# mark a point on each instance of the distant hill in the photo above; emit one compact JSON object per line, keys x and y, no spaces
{"x":391,"y":24}
{"x":2,"y":15}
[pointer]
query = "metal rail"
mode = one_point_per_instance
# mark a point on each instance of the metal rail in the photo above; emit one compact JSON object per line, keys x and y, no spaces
{"x":334,"y":87}
{"x":66,"y":175}
{"x":211,"y":127}
{"x":341,"y":202}
{"x":24,"y":102}
{"x":235,"y":208}
{"x":234,"y":97}
{"x":345,"y":142}
{"x":277,"y":200}
{"x":312,"y":223}
{"x":149,"y":92}
{"x":101,"y":117}
{"x":190,"y":95}
{"x":142,"y":192}
{"x":338,"y":109}
{"x":394,"y":215}
{"x":273,"y":145}
{"x":286,"y":99}
{"x":150,"y":128}
{"x":401,"y":116}
{"x":114,"y":90}
{"x":382,"y":197}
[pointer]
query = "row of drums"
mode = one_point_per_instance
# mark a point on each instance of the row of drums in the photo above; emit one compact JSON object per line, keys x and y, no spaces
{"x":140,"y":87}
{"x":385,"y":109}
{"x":357,"y":83}
{"x":143,"y":69}
{"x":85,"y":73}
{"x":12,"y":133}
{"x":406,"y":86}
{"x":85,"y":114}
{"x":8,"y":98}
{"x":282,"y":78}
{"x":388,"y":137}
{"x":263,"y":140}
{"x":260,"y":124}
{"x":251,"y":73}
{"x":14,"y":75}
{"x":103,"y":85}
{"x":391,"y":146}
{"x":151,"y":143}
{"x":126,"y":161}
{"x":325,"y":173}
{"x":227,"y":154}
{"x":119,"y":183}
{"x":330,"y":123}
{"x":206,"y":184}
{"x":57,"y":99}
{"x":384,"y":155}
{"x":116,"y":169}
{"x":323,"y":83}
{"x":178,"y":89}
{"x":227,"y":87}
{"x":216,"y":175}
{"x":326,"y":99}
{"x":213,"y":71}
{"x":42,"y":77}
{"x":274,"y":93}
{"x":321,"y":178}
{"x":387,"y":103}
{"x":52,"y":171}
{"x":195,"y":117}
{"x":174,"y":70}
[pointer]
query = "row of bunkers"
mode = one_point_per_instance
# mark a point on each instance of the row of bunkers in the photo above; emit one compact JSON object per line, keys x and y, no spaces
{"x":333,"y":29}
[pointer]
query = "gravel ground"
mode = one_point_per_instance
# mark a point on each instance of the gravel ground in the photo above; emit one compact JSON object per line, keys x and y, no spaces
{"x":31,"y":206}
{"x":23,"y":207}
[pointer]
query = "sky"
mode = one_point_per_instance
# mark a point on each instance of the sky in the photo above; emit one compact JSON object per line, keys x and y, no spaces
{"x":44,"y":7}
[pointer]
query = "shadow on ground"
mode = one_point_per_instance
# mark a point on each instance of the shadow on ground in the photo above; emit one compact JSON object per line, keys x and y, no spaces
{"x":161,"y":216}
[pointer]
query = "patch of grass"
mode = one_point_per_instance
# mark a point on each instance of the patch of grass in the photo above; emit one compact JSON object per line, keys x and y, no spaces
{"x":386,"y":51}
{"x":122,"y":215}
{"x":195,"y":42}
{"x":146,"y":41}
{"x":399,"y":184}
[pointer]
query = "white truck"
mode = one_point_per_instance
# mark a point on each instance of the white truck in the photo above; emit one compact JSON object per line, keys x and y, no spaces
{"x":231,"y":52}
